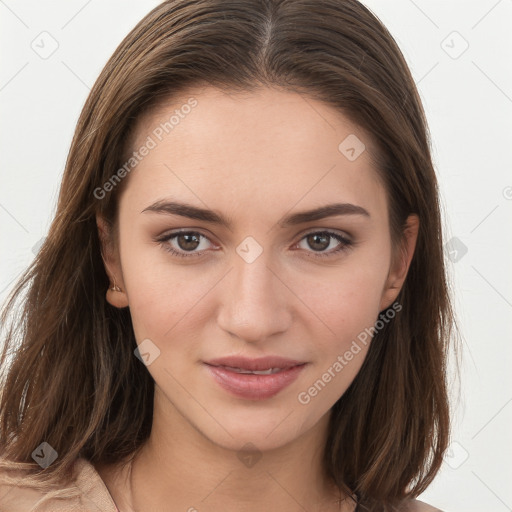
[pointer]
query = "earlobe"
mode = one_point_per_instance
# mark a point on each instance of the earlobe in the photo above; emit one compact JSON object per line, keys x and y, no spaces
{"x":115,"y":294}
{"x":117,"y":297}
{"x":402,"y":262}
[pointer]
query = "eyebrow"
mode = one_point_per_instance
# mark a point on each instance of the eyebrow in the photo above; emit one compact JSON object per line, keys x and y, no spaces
{"x":202,"y":214}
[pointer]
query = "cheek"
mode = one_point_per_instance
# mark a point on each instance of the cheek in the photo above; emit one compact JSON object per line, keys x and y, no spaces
{"x":348,"y":306}
{"x":346,"y":300}
{"x":158,"y":297}
{"x":161,"y":311}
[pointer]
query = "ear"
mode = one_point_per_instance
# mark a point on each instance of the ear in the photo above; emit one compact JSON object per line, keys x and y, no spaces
{"x":401,"y":262}
{"x":117,"y":296}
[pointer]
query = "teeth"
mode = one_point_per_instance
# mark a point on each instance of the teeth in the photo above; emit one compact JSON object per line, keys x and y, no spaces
{"x":255,"y":372}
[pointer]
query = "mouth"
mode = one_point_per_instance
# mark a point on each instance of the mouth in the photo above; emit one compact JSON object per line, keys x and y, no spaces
{"x":270,"y":371}
{"x":255,"y":379}
{"x":261,"y":364}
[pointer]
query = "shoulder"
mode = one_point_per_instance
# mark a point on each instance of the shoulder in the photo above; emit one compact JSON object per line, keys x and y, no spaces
{"x":420,"y":506}
{"x":87,"y":492}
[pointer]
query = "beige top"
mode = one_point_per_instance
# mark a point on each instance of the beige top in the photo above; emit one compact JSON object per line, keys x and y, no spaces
{"x":94,"y":495}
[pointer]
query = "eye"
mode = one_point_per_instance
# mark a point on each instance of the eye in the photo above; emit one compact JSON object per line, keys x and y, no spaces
{"x":321,"y":240}
{"x":184,"y":243}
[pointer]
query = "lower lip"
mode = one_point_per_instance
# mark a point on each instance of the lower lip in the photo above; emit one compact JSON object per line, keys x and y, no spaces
{"x":252,"y":386}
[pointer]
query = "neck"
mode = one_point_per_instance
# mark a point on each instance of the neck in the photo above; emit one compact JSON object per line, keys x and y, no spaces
{"x":179,"y":465}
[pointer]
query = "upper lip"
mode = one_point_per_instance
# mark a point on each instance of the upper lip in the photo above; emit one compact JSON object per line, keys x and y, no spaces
{"x":258,"y":364}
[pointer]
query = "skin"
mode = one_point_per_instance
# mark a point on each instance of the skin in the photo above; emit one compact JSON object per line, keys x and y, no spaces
{"x":253,"y":158}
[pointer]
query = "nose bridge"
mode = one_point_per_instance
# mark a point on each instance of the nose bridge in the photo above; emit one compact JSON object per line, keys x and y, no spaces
{"x":254,"y":300}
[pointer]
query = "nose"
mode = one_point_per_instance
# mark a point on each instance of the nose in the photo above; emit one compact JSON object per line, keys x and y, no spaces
{"x":255,"y":302}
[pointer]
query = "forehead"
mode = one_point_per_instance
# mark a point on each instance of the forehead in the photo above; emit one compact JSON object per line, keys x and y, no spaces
{"x":283,"y":120}
{"x":266,"y":147}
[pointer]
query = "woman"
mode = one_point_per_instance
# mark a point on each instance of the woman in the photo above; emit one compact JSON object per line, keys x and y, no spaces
{"x":241,"y":303}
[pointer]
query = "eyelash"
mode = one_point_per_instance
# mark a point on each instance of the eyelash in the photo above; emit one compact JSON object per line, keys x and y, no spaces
{"x":345,"y":244}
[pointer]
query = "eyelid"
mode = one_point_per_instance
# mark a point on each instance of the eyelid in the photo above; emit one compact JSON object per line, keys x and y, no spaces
{"x":339,"y":232}
{"x":168,"y":236}
{"x":345,"y":240}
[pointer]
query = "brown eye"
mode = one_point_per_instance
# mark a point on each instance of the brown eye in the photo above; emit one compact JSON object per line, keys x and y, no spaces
{"x":188,"y":242}
{"x":184,"y":243}
{"x":319,"y":241}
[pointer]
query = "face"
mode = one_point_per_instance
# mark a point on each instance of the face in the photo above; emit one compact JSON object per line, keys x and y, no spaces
{"x":250,"y":277}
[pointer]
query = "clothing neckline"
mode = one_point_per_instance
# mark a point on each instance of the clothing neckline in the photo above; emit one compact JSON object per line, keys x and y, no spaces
{"x":88,"y":477}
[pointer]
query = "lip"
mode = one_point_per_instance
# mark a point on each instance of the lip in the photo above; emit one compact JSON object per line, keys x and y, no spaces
{"x":254,"y":364}
{"x":251,"y":386}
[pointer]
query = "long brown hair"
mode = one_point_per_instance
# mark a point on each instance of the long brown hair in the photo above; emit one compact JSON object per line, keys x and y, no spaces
{"x":69,"y":375}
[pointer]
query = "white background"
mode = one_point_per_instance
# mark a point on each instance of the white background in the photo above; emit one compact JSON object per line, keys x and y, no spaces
{"x":467,"y":96}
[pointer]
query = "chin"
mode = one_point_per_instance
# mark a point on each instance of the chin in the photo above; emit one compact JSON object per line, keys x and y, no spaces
{"x":249,"y":440}
{"x":266,"y":429}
